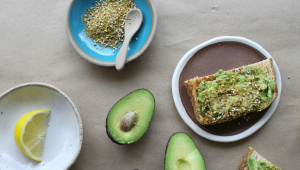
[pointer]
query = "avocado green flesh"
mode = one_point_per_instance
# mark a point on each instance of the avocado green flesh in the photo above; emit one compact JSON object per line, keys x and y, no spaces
{"x":233,"y":93}
{"x":142,"y":103}
{"x":182,"y":154}
{"x":254,"y":164}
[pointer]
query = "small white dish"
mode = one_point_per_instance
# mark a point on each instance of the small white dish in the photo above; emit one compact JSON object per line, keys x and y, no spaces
{"x":182,"y":111}
{"x":64,"y":132}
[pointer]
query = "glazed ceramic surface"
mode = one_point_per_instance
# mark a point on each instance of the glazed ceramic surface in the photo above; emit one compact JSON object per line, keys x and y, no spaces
{"x":181,"y":107}
{"x":106,"y":56}
{"x":64,"y":132}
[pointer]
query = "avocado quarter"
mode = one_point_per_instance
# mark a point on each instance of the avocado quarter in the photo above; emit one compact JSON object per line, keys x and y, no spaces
{"x":183,"y":154}
{"x":129,"y":118}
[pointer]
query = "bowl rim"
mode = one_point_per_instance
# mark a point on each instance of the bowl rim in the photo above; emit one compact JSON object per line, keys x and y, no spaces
{"x":181,"y":110}
{"x":80,"y":140}
{"x":106,"y":63}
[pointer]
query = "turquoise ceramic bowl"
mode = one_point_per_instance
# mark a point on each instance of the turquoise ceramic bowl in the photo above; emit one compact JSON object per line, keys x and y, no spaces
{"x":106,"y":56}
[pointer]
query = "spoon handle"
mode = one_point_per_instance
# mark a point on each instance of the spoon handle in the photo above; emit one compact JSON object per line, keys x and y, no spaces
{"x":121,"y":57}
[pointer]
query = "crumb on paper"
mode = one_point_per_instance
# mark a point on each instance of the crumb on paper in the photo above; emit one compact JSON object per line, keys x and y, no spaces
{"x":288,"y":78}
{"x":215,"y":8}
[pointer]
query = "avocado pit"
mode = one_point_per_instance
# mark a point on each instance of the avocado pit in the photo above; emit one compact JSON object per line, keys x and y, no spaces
{"x":128,"y":121}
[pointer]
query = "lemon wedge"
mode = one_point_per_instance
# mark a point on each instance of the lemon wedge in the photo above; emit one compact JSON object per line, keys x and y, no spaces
{"x":30,"y":132}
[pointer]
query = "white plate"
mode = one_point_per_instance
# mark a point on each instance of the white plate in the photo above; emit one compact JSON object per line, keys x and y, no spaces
{"x":64,"y":132}
{"x":181,"y":110}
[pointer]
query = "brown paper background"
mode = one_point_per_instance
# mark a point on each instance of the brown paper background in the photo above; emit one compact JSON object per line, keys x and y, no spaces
{"x":34,"y":47}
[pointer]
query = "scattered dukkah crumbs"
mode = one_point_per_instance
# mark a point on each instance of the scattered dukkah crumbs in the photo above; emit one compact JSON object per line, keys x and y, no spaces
{"x":246,"y":118}
{"x":289,"y":77}
{"x":104,"y":22}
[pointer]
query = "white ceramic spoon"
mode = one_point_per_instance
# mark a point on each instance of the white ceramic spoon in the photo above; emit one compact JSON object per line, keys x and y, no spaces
{"x":133,"y":22}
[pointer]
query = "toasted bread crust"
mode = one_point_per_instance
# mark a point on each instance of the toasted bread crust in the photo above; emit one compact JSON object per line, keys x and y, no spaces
{"x":192,"y":88}
{"x":244,"y":164}
{"x":255,"y":155}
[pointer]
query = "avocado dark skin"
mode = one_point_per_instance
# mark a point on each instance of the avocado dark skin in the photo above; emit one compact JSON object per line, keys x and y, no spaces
{"x":129,"y":118}
{"x":111,"y":138}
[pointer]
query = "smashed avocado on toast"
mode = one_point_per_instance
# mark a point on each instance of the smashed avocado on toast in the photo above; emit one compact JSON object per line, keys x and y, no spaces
{"x":227,"y":95}
{"x":254,"y":161}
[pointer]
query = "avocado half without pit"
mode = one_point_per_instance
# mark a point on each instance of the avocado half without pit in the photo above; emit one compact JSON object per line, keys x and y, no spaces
{"x":183,"y":154}
{"x":129,"y":118}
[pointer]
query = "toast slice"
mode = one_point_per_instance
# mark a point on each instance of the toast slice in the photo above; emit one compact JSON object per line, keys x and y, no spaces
{"x":192,"y":85}
{"x":255,"y":155}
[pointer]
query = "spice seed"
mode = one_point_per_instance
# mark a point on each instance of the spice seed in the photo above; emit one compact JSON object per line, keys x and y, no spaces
{"x":104,"y":22}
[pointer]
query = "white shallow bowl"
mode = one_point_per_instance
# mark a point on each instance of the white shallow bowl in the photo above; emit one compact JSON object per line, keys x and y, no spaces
{"x":179,"y":105}
{"x":64,"y":132}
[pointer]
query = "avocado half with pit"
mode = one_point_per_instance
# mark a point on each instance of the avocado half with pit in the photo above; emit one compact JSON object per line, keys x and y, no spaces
{"x":129,"y":118}
{"x":183,"y":154}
